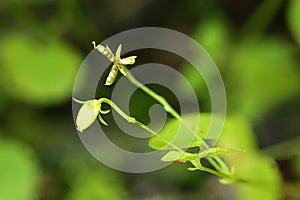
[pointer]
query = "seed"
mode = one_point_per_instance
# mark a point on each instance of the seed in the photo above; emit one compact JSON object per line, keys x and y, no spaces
{"x":101,"y":48}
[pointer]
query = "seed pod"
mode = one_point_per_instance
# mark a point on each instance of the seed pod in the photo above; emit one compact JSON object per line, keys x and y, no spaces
{"x":112,"y":75}
{"x":118,"y":52}
{"x":128,"y":61}
{"x":87,"y":114}
{"x":104,"y":51}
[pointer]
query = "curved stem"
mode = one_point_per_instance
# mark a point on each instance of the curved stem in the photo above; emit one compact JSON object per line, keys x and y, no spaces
{"x":140,"y":124}
{"x":218,"y":172}
{"x":218,"y":163}
{"x":134,"y":121}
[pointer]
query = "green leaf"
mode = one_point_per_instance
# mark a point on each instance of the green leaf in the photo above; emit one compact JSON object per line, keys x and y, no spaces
{"x":97,"y":184}
{"x":237,"y":133}
{"x":258,"y":72}
{"x":217,"y":151}
{"x":87,"y":114}
{"x":234,"y":125}
{"x":181,"y":156}
{"x":189,"y":133}
{"x":262,"y":178}
{"x":293,"y":16}
{"x":19,"y":171}
{"x":37,"y":72}
{"x":213,"y":34}
{"x":261,"y":174}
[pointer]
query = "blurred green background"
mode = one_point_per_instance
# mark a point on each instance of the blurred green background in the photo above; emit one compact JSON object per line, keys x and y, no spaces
{"x":254,"y":43}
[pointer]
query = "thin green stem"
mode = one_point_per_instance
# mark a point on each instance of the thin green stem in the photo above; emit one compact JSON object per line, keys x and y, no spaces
{"x":155,"y":96}
{"x":222,"y":164}
{"x":134,"y":121}
{"x":217,"y":173}
{"x":140,"y":124}
{"x":219,"y":164}
{"x":198,"y":165}
{"x":216,"y":162}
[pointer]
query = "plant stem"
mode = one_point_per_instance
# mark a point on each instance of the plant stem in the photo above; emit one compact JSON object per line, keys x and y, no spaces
{"x":217,"y":173}
{"x":217,"y":163}
{"x":155,"y":96}
{"x":214,"y":164}
{"x":134,"y":121}
{"x":140,"y":124}
{"x":198,"y":165}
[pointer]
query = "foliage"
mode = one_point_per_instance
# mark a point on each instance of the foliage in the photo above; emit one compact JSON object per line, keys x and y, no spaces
{"x":97,"y":184}
{"x":293,"y":15}
{"x":19,"y":171}
{"x":255,"y":45}
{"x":46,"y":73}
{"x":170,"y":138}
{"x":239,"y":134}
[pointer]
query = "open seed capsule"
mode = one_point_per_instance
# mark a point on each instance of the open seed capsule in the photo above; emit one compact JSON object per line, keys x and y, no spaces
{"x":87,"y":114}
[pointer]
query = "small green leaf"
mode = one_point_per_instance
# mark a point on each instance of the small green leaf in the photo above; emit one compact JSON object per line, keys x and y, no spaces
{"x":182,"y":156}
{"x":19,"y":171}
{"x":128,"y":61}
{"x":171,"y":156}
{"x":217,"y":151}
{"x":39,"y":72}
{"x":118,"y":52}
{"x":214,"y":35}
{"x":87,"y":114}
{"x":97,"y":184}
{"x":185,"y":134}
{"x":265,"y":62}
